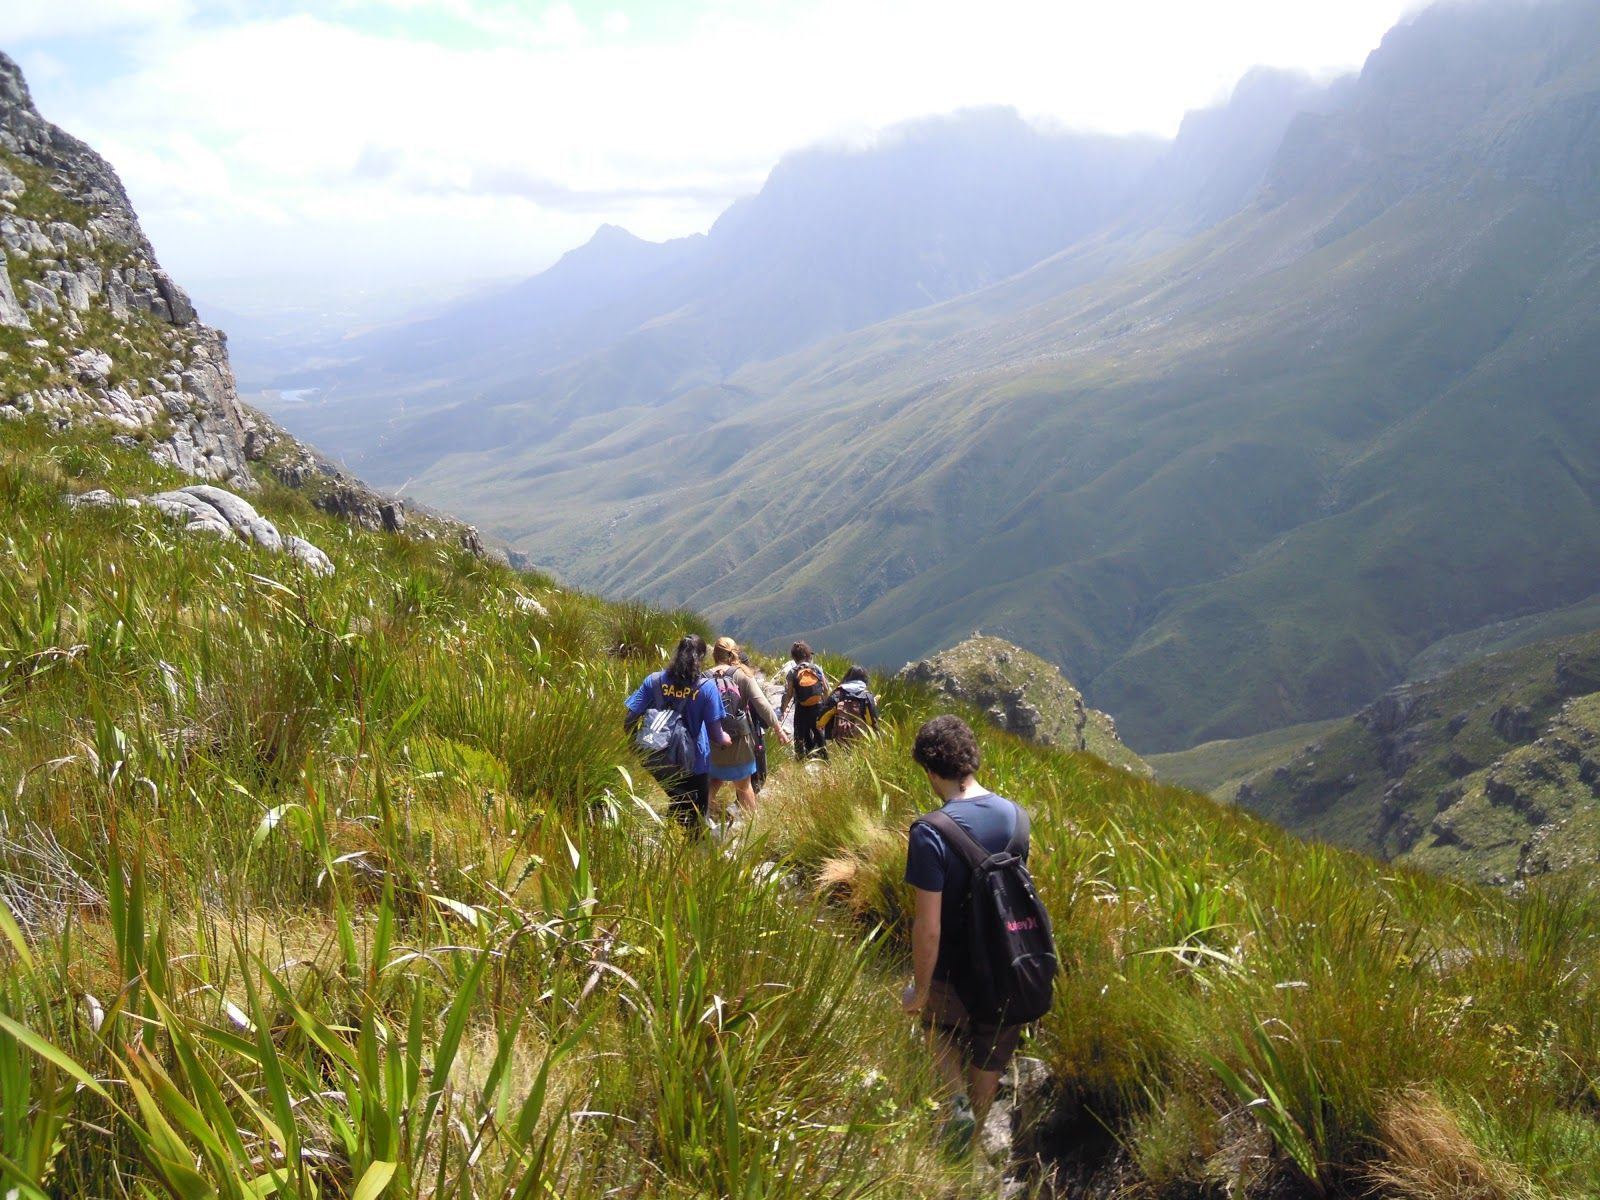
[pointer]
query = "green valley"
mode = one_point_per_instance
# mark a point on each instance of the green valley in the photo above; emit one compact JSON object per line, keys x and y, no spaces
{"x":1218,"y":768}
{"x":1230,"y":475}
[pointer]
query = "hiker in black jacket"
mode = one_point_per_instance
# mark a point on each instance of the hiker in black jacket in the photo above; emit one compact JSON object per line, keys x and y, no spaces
{"x":806,"y":687}
{"x":969,"y":1055}
{"x":851,"y":710}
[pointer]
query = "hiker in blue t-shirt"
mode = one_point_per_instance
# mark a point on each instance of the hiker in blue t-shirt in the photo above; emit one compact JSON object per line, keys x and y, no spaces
{"x":685,"y":688}
{"x":969,"y":1055}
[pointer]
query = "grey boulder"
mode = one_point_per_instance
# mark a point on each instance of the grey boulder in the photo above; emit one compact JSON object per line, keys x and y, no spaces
{"x":91,"y":366}
{"x":11,"y":312}
{"x":206,"y":509}
{"x":197,"y":516}
{"x":304,"y":552}
{"x":40,"y":298}
{"x":241,"y":517}
{"x":98,"y":498}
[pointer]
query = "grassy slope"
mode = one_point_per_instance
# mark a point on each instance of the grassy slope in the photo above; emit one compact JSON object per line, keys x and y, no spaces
{"x":1458,"y":650}
{"x":338,"y":878}
{"x":1218,"y":768}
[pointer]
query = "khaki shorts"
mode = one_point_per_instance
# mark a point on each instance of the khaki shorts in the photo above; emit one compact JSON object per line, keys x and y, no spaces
{"x":986,"y":1047}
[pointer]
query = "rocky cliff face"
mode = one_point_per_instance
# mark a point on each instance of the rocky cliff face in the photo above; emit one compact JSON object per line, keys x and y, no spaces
{"x":92,"y":329}
{"x":1023,"y":694}
{"x":97,"y":330}
{"x":1490,"y":772}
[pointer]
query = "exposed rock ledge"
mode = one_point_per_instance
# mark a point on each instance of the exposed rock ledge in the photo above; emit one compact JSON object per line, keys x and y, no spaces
{"x":212,"y":510}
{"x":93,"y":330}
{"x":1025,"y":695}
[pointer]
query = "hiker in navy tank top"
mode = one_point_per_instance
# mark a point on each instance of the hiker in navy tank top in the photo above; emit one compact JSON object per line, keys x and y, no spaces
{"x":969,"y":1055}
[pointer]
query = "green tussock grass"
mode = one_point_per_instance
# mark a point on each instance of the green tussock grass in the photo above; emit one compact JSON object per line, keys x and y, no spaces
{"x":1242,"y":1010}
{"x":322,"y":883}
{"x":350,"y":887}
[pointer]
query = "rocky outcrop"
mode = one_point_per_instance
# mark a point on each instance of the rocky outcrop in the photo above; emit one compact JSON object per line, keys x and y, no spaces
{"x":75,"y":263}
{"x":213,"y":510}
{"x":74,"y":251}
{"x":206,"y":509}
{"x":1022,"y":694}
{"x":1488,"y":772}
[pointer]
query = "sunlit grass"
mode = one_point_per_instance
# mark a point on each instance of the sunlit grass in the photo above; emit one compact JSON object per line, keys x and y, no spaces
{"x":351,"y":886}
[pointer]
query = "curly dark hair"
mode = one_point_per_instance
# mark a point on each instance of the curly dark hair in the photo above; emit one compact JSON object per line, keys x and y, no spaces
{"x":800,"y":651}
{"x":947,"y":746}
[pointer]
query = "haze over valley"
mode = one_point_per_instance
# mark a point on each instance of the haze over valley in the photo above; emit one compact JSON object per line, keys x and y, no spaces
{"x":1231,"y":426}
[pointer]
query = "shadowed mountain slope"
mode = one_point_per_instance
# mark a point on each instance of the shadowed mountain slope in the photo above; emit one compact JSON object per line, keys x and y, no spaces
{"x":1229,"y":479}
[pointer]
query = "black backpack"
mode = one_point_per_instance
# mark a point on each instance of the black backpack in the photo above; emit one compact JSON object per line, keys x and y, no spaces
{"x":1014,"y":964}
{"x":662,"y":739}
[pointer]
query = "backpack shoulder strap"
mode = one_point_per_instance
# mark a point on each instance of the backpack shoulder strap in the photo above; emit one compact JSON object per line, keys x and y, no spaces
{"x":1018,"y":845}
{"x":958,"y":837}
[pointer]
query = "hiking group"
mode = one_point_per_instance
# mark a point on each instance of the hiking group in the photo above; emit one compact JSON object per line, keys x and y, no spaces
{"x":698,"y":730}
{"x":983,"y":957}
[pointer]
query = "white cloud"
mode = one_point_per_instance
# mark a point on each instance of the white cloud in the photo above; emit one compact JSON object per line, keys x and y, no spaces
{"x":237,"y":136}
{"x":21,"y":20}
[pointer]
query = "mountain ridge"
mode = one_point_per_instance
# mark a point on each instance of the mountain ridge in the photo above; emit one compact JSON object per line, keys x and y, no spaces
{"x":1156,"y":446}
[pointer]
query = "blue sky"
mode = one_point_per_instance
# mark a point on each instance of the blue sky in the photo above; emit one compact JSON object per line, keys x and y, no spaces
{"x":408,"y":141}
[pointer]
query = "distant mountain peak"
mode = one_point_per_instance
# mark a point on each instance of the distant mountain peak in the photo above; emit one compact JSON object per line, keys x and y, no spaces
{"x":609,"y":244}
{"x":614,"y":235}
